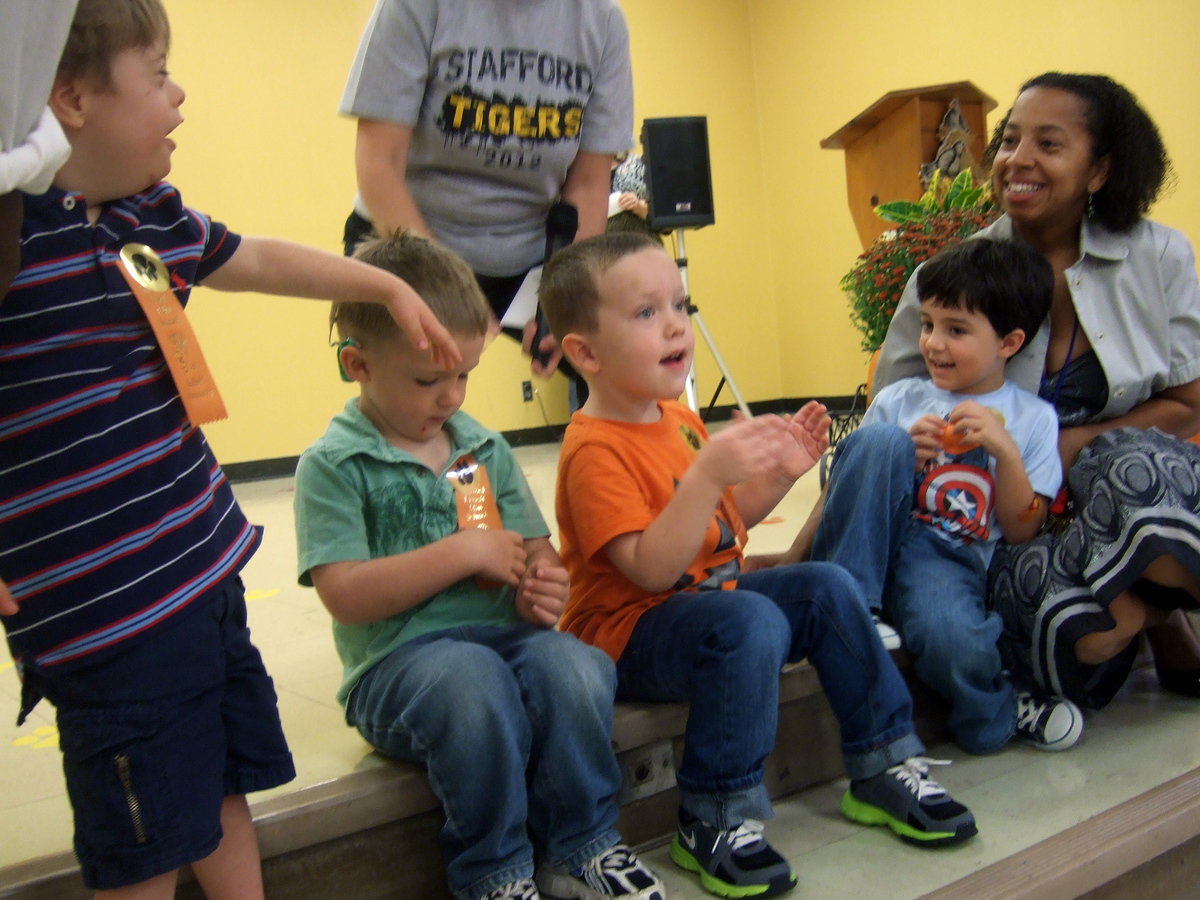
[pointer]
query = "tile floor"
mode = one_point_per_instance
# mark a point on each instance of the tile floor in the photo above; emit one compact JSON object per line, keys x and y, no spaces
{"x":1019,"y":796}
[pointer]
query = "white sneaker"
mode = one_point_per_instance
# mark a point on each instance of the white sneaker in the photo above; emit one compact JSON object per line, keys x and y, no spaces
{"x":516,"y":890}
{"x":1048,"y":723}
{"x":887,"y":634}
{"x":614,"y":874}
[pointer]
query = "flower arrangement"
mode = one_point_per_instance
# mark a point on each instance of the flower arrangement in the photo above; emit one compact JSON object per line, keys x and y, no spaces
{"x":946,"y":213}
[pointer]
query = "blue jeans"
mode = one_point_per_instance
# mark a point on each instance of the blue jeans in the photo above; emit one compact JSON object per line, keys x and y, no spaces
{"x":721,"y":651}
{"x":514,"y":724}
{"x":931,"y":589}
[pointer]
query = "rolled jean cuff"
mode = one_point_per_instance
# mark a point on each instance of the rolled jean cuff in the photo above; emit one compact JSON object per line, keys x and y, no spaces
{"x":860,"y":766}
{"x":588,"y":851}
{"x":725,"y":811}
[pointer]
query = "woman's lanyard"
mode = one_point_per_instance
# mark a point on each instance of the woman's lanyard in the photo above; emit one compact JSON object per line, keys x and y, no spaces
{"x":1062,"y":372}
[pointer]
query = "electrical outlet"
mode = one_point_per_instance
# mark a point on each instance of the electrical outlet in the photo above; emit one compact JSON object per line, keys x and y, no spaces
{"x":527,"y":391}
{"x":646,"y":771}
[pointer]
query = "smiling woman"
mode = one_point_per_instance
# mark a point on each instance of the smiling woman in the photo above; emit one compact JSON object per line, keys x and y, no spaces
{"x":1077,"y":165}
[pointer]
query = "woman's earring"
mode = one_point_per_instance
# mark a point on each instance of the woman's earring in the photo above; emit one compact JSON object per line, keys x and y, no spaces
{"x":1091,"y":206}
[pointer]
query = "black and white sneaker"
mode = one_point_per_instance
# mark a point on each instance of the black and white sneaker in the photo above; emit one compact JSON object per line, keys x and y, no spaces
{"x":1049,"y":723}
{"x":515,"y":890}
{"x":911,"y":804}
{"x":614,"y":873}
{"x":735,"y":862}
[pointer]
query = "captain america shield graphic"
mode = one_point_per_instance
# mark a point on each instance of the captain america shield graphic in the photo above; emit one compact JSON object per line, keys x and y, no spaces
{"x":958,"y":500}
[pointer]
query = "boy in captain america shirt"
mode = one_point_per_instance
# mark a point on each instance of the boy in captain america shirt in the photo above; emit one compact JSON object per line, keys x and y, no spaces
{"x":940,"y":470}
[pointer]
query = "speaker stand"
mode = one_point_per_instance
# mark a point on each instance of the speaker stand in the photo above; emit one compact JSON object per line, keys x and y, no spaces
{"x":694,"y":312}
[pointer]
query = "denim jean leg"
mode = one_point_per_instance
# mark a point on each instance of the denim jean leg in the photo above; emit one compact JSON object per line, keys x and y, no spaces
{"x":831,"y":626}
{"x":455,"y":706}
{"x":937,"y":602}
{"x":721,"y":651}
{"x":568,"y":689}
{"x":868,"y":503}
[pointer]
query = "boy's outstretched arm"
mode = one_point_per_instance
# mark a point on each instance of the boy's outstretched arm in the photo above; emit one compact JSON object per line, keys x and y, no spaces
{"x":358,"y":592}
{"x":274,"y":266}
{"x":655,"y":558}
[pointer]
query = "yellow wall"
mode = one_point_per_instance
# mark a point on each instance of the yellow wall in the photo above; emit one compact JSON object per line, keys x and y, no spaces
{"x":264,"y":151}
{"x":819,"y":63}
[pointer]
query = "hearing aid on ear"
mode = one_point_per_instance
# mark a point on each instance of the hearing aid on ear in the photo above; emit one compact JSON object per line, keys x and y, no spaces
{"x":343,"y":344}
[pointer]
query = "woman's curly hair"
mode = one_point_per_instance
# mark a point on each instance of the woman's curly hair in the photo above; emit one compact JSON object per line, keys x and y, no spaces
{"x":1121,"y":130}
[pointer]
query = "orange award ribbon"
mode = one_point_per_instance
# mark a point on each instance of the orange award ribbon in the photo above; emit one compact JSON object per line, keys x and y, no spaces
{"x":473,"y":492}
{"x":476,"y":502}
{"x":150,"y":282}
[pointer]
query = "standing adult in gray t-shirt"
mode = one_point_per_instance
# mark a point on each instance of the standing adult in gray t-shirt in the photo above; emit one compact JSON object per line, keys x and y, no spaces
{"x":475,"y":116}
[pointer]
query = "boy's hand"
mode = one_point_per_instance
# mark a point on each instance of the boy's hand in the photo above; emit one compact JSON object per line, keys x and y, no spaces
{"x":927,"y":433}
{"x":422,"y":327}
{"x":547,"y":348}
{"x":806,"y":438}
{"x":742,"y":451}
{"x":500,"y":554}
{"x":542,"y":594}
{"x":976,"y":424}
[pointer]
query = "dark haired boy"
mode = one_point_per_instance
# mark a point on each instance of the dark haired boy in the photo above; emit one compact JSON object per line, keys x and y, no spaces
{"x":985,"y":457}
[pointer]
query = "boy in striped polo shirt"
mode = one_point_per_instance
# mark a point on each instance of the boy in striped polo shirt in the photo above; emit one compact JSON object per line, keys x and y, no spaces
{"x":120,"y":539}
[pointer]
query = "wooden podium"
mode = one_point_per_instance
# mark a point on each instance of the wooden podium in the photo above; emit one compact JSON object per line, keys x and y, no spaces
{"x":887,"y":143}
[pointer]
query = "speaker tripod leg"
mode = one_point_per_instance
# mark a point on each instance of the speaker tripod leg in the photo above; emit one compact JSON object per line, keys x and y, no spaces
{"x":690,"y":386}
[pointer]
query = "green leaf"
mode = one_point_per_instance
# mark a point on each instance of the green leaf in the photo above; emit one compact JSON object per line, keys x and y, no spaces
{"x":901,"y":211}
{"x":970,"y":198}
{"x":962,"y":182}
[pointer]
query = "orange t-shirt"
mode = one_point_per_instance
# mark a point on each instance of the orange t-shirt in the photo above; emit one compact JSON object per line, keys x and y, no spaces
{"x":615,"y":478}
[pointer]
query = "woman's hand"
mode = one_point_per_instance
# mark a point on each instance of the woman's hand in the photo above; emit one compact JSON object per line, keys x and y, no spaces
{"x":547,"y":345}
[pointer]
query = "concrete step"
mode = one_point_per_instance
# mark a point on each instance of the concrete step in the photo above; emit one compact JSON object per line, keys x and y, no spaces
{"x":373,"y":831}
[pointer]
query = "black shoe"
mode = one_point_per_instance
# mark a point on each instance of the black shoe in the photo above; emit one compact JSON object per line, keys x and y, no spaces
{"x":911,"y":804}
{"x":1177,"y":681}
{"x":736,"y":862}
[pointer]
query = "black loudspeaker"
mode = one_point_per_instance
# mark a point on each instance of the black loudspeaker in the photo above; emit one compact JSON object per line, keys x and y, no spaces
{"x":678,"y":179}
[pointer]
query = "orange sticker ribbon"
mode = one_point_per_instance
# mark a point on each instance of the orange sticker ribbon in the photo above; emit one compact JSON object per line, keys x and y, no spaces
{"x":150,"y":282}
{"x":473,"y":492}
{"x":476,"y":502}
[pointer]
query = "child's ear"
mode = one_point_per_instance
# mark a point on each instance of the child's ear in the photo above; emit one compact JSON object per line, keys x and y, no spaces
{"x":351,"y":362}
{"x":578,"y":350}
{"x":1012,"y":342}
{"x":66,"y":102}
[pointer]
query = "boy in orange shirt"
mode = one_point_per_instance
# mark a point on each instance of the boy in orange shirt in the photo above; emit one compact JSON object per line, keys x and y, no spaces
{"x":652,"y":517}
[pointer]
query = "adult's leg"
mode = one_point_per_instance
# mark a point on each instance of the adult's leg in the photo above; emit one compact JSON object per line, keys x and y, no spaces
{"x":868,"y":505}
{"x":1137,"y":495}
{"x":829,"y":623}
{"x":721,"y":651}
{"x":456,"y":707}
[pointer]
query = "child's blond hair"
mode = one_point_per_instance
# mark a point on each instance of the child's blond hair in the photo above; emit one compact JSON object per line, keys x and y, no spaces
{"x":442,"y":278}
{"x":569,"y":291}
